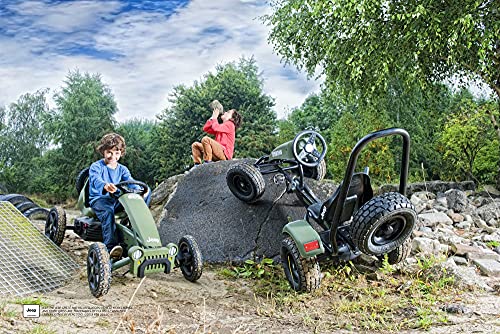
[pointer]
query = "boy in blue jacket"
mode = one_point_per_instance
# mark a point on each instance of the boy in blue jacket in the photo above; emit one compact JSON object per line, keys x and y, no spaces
{"x":103,"y":176}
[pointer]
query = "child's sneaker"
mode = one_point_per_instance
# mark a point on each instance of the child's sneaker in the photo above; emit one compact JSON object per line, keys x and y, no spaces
{"x":116,"y":252}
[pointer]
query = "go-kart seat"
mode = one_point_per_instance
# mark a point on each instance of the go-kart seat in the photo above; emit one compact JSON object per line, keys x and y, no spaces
{"x":360,"y":191}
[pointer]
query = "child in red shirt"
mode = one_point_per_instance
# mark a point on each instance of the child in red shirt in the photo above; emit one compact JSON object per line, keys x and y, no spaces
{"x":222,"y":148}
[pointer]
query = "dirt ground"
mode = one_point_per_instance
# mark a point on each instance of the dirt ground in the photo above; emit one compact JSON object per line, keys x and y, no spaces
{"x":170,"y":304}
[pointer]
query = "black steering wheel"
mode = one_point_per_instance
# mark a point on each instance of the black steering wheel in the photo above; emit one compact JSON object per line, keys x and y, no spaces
{"x":309,"y":148}
{"x":125,"y":188}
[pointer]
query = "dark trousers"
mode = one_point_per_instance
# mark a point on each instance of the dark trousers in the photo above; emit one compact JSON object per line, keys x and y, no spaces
{"x":105,"y":209}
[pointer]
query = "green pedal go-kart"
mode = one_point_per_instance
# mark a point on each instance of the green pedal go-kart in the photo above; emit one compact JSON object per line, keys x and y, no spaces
{"x":348,"y":223}
{"x":138,"y":236}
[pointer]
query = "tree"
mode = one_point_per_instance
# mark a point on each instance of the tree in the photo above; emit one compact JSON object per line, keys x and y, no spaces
{"x":468,"y":137}
{"x":85,"y":112}
{"x":237,"y":86}
{"x":23,"y":139}
{"x":139,"y":155}
{"x":365,"y":44}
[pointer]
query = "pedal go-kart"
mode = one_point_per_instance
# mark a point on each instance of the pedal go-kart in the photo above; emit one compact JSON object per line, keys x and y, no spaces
{"x":142,"y":248}
{"x":347,"y":224}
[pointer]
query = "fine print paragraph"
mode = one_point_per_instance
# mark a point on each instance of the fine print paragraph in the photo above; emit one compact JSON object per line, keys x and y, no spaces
{"x":82,"y":311}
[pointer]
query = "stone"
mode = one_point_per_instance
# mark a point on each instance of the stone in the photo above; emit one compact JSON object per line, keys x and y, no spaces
{"x":456,"y":217}
{"x":485,"y":254}
{"x":433,"y":219}
{"x":461,"y":261}
{"x":464,"y":225}
{"x":488,"y":267}
{"x":442,"y":202}
{"x":461,"y":249}
{"x":225,"y":228}
{"x":489,"y":211}
{"x":457,"y":200}
{"x":426,"y":246}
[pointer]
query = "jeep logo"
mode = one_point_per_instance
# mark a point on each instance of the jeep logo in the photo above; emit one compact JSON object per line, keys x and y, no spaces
{"x":276,"y":153}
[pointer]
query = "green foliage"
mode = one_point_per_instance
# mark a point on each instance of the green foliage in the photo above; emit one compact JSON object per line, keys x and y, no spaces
{"x":236,"y":86}
{"x":493,"y":243}
{"x":468,"y":140}
{"x":23,"y":139}
{"x":377,"y":155}
{"x":139,"y":157}
{"x":252,"y":269}
{"x":85,"y":109}
{"x":362,"y":45}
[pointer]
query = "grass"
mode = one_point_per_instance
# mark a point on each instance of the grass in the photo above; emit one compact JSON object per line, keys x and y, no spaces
{"x":40,"y":329}
{"x":392,"y":300}
{"x":30,"y":301}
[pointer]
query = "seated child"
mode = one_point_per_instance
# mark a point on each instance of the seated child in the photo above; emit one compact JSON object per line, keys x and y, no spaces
{"x":103,"y":176}
{"x":222,"y":148}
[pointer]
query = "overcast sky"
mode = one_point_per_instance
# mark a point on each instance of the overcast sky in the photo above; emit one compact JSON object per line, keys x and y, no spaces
{"x":142,"y":49}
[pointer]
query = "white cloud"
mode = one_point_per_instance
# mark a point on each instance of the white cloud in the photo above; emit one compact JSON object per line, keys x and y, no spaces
{"x":149,"y":52}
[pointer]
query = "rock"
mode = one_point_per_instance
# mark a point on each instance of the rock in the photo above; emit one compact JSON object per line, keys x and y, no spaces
{"x":442,"y":202}
{"x":431,"y":186}
{"x":426,"y":246}
{"x":484,"y":254}
{"x":461,"y":249}
{"x":488,"y":267}
{"x":461,"y":261}
{"x":457,"y":200}
{"x":433,"y":219}
{"x":456,"y":217}
{"x":225,"y":228}
{"x":465,"y":276}
{"x":489,"y":211}
{"x":455,"y":308}
{"x":490,"y":190}
{"x":464,"y":225}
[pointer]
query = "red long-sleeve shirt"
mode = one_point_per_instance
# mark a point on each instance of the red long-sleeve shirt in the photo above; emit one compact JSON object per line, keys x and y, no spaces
{"x":224,"y":135}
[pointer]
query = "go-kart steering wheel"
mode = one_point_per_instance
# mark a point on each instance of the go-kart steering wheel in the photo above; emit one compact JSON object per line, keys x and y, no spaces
{"x":125,"y":188}
{"x":305,"y":150}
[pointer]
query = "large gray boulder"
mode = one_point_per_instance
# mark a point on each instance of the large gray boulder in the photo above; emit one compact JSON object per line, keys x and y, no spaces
{"x":226,"y":228}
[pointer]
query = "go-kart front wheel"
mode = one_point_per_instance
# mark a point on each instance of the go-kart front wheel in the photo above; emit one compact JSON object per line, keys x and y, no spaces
{"x":383,"y":223}
{"x":55,"y":225}
{"x":98,"y":269}
{"x":189,"y":258}
{"x":303,"y":274}
{"x":245,"y":182}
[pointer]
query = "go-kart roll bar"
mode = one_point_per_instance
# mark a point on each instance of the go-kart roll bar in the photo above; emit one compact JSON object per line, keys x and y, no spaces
{"x":350,"y":171}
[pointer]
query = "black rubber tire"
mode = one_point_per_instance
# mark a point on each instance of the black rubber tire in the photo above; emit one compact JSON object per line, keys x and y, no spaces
{"x":303,"y":274}
{"x":16,"y":199}
{"x":245,"y":182}
{"x":81,"y":178}
{"x":55,"y":225}
{"x":98,"y":269}
{"x":399,"y":254}
{"x":383,"y":223}
{"x":316,"y":173}
{"x":192,"y":262}
{"x":36,"y":212}
{"x":25,"y":206}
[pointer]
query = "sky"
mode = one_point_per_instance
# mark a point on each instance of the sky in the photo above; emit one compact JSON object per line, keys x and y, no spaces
{"x":142,"y":49}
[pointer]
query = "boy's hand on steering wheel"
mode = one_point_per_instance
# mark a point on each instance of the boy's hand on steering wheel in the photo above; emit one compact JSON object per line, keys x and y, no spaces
{"x":110,"y":188}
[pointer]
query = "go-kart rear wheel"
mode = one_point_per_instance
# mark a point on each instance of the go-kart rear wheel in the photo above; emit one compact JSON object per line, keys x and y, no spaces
{"x":383,"y":223}
{"x":316,"y":173}
{"x":55,"y":225}
{"x":245,"y":182}
{"x":98,"y":269}
{"x":303,"y":274}
{"x":399,"y":254}
{"x":189,"y":258}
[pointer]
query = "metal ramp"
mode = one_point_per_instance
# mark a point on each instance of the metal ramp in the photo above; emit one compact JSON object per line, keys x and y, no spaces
{"x":29,"y":261}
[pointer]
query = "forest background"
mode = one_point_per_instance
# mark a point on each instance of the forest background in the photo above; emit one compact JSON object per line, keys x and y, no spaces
{"x":384,"y":66}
